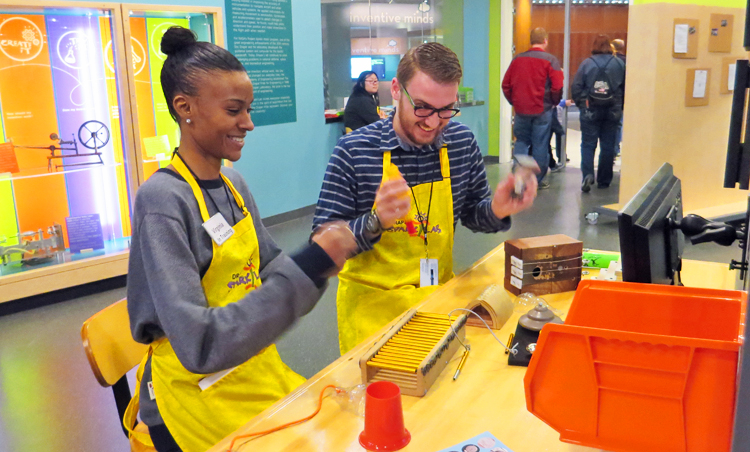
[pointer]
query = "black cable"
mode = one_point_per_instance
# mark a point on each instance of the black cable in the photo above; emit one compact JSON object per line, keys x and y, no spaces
{"x":424,"y":223}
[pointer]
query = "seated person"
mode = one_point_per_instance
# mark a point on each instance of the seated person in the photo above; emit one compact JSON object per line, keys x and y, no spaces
{"x":211,"y":305}
{"x":363,"y":105}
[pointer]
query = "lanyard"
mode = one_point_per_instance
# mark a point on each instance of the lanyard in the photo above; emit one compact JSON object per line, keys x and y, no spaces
{"x":223,"y":184}
{"x":423,"y":222}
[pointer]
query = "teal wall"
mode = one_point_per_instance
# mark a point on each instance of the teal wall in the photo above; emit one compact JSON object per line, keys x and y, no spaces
{"x":284,"y":164}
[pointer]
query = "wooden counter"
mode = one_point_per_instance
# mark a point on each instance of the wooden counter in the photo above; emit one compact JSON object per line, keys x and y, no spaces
{"x":487,"y":396}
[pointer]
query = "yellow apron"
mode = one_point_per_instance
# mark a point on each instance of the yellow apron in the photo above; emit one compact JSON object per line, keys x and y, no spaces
{"x":198,"y":419}
{"x":378,"y":285}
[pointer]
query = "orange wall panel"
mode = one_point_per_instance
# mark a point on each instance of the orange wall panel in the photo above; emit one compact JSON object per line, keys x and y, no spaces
{"x":29,"y":120}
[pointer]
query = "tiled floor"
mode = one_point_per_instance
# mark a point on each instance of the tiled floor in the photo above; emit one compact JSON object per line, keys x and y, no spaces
{"x":50,"y":401}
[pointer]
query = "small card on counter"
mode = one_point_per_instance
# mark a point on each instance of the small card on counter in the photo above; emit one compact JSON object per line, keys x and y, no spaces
{"x":485,"y":442}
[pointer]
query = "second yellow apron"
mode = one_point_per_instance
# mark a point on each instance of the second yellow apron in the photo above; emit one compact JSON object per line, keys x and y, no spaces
{"x":199,"y":418}
{"x":378,"y":285}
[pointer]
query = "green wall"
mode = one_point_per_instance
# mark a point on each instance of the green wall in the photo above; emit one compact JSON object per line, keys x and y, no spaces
{"x":495,"y":79}
{"x":452,"y":18}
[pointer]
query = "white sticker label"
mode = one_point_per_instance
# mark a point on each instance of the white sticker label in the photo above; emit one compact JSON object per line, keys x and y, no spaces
{"x":218,"y":228}
{"x":515,"y":282}
{"x":151,"y":394}
{"x":516,"y":262}
{"x":517,"y":272}
{"x":428,"y":272}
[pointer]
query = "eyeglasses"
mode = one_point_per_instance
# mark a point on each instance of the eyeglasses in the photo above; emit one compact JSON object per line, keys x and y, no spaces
{"x":374,"y":82}
{"x":426,"y":112}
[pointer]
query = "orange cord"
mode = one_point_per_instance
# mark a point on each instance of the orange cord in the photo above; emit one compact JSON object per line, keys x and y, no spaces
{"x":290,"y":424}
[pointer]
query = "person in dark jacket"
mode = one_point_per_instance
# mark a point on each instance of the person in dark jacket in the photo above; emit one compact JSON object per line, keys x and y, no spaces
{"x":599,"y":122}
{"x":533,"y":85}
{"x":363,"y":105}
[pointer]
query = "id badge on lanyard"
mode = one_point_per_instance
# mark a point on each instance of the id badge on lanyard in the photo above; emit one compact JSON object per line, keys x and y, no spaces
{"x":428,"y":272}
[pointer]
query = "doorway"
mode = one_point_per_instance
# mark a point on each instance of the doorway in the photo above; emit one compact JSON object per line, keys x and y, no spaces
{"x":587,"y":19}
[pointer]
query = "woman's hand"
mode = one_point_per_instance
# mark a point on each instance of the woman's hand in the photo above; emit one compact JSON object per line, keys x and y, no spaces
{"x":338,"y":241}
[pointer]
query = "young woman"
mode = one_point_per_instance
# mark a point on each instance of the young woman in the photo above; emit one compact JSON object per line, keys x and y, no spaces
{"x":208,"y":288}
{"x":362,"y":107}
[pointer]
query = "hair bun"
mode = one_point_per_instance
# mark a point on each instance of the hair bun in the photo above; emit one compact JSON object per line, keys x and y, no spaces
{"x":177,"y":39}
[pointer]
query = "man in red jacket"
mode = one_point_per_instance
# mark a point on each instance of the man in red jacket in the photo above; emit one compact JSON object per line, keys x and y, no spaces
{"x":533,"y":86}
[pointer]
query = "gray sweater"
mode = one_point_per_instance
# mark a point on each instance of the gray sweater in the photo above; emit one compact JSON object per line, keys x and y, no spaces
{"x":170,"y":252}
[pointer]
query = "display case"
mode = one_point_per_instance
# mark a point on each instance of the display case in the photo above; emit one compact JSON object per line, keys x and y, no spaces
{"x":83,"y":123}
{"x":156,"y":134}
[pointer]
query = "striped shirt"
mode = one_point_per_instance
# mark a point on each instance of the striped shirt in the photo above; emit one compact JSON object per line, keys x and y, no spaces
{"x":355,"y":171}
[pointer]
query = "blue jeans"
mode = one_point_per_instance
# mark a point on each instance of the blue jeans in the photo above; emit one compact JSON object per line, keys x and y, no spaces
{"x":534,"y":132}
{"x":601,"y":126}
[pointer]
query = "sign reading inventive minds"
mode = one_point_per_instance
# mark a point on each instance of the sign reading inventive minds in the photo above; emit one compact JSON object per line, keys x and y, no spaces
{"x":260,"y":36}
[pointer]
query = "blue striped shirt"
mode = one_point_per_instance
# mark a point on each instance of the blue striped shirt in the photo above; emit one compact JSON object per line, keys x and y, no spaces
{"x":355,"y":171}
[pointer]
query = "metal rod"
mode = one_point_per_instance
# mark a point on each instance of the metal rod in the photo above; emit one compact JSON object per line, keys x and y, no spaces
{"x":566,"y":77}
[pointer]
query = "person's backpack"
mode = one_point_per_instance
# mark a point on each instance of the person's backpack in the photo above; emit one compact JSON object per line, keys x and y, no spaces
{"x":601,"y":94}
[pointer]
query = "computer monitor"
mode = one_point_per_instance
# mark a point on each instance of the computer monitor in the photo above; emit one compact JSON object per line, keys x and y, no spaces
{"x":359,"y":65}
{"x":650,"y":246}
{"x":378,"y":67}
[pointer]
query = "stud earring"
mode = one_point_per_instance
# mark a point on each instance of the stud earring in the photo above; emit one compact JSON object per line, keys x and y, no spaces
{"x":188,"y":120}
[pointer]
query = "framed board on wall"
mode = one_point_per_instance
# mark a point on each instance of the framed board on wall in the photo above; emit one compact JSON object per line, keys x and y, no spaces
{"x":728,"y":69}
{"x":697,"y":87}
{"x":720,"y":36}
{"x":685,"y":39}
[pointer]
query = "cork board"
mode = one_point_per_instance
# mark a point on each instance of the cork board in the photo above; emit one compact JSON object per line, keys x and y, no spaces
{"x":720,"y":33}
{"x":690,"y":42}
{"x":728,"y":67}
{"x":693,"y":96}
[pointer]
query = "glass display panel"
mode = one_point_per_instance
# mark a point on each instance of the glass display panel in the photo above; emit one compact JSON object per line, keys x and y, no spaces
{"x":64,"y":173}
{"x":159,"y":133}
{"x":374,"y":35}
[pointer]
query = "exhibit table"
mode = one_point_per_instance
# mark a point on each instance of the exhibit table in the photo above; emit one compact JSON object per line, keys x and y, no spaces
{"x":487,"y":396}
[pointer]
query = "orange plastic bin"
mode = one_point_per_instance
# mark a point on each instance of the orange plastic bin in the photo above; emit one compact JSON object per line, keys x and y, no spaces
{"x":640,"y":367}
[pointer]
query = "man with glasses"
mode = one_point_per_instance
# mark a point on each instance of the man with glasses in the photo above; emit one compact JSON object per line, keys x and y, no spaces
{"x":402,"y":184}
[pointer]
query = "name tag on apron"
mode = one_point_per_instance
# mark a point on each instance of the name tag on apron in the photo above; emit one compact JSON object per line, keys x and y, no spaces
{"x":218,"y":228}
{"x":428,"y":272}
{"x":206,"y":382}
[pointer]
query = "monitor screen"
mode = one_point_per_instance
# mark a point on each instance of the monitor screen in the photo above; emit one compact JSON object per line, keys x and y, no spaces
{"x":378,"y":66}
{"x":359,"y":65}
{"x":651,"y":248}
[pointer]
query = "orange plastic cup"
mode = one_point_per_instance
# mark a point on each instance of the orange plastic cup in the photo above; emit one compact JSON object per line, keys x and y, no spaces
{"x":384,"y":419}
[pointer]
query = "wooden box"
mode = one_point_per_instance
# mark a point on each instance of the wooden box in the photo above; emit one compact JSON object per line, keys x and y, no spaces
{"x":542,"y":265}
{"x":414,"y":351}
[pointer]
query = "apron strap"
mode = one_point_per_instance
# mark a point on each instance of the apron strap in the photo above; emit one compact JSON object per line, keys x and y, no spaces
{"x":179,"y":165}
{"x":386,"y":164}
{"x":236,"y":194}
{"x":130,"y":417}
{"x":445,"y":164}
{"x":197,"y":192}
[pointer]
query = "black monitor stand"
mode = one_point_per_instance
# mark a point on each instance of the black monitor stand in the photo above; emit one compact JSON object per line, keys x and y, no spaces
{"x":741,"y":435}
